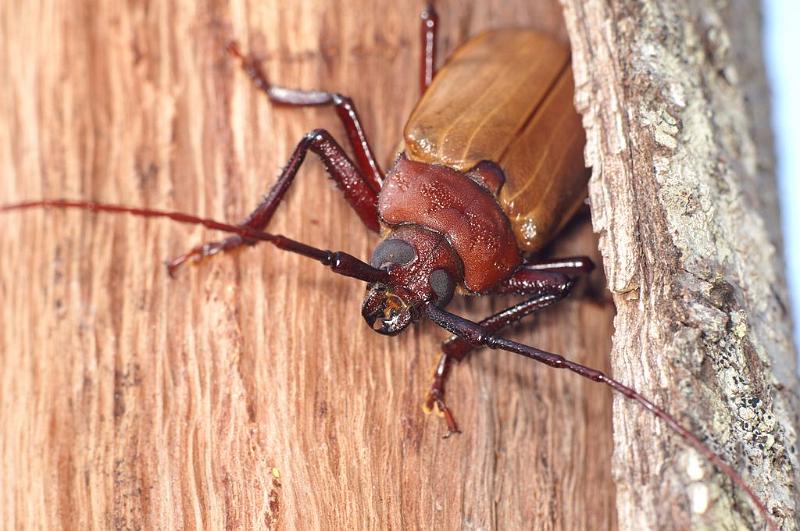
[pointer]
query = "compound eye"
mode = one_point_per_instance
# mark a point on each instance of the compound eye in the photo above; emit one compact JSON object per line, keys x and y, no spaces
{"x":390,"y":253}
{"x":442,"y":285}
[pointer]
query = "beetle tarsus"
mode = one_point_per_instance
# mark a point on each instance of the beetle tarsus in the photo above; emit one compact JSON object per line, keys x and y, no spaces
{"x":452,"y":426}
{"x":172,"y":266}
{"x":232,"y":47}
{"x":200,"y":252}
{"x":435,"y":399}
{"x":435,"y":396}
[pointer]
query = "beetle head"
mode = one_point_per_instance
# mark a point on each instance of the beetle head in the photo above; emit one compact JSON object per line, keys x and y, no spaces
{"x":422,"y":266}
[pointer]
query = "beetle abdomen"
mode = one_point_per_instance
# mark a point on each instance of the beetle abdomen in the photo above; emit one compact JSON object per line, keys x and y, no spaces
{"x":506,"y":97}
{"x":450,"y":203}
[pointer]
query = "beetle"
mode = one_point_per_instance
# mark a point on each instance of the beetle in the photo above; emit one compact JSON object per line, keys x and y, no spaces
{"x":464,"y":208}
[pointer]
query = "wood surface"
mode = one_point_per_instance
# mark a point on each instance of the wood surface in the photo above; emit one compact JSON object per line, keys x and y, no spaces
{"x":248,"y":392}
{"x":675,"y":103}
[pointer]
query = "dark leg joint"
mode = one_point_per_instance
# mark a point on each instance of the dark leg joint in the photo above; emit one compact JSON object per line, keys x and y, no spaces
{"x":199,"y":252}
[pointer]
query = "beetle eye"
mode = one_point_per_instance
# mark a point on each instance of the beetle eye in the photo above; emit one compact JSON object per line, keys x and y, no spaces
{"x":392,"y":253}
{"x":443,"y":286}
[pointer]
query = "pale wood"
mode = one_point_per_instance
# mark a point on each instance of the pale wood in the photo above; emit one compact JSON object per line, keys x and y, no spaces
{"x":674,"y":101}
{"x":131,"y":400}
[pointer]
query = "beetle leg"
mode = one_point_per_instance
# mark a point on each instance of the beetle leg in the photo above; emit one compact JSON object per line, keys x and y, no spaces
{"x":544,"y":274}
{"x":428,"y":29}
{"x":344,"y":106}
{"x":550,"y":288}
{"x":531,"y":271}
{"x":356,"y":190}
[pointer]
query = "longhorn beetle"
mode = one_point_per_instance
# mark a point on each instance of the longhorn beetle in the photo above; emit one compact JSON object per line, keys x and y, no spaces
{"x":467,"y":202}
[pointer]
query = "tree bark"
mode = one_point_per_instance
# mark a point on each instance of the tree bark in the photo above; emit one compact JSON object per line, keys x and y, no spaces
{"x":676,"y":106}
{"x":248,"y":392}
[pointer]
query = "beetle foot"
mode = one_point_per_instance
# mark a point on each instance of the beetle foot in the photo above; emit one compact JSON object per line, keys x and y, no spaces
{"x":232,"y":47}
{"x":435,"y":399}
{"x":250,"y":65}
{"x":199,"y":253}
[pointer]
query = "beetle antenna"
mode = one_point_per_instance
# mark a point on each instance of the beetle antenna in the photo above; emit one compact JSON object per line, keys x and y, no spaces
{"x":339,"y":262}
{"x":479,"y":336}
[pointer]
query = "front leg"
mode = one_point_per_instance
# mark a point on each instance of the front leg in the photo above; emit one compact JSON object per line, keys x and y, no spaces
{"x":548,"y":288}
{"x":357,"y":190}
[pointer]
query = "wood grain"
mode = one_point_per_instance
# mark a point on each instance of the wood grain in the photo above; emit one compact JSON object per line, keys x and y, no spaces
{"x":248,"y":393}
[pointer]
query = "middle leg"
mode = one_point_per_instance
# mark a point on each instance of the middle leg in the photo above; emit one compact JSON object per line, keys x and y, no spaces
{"x":345,"y":110}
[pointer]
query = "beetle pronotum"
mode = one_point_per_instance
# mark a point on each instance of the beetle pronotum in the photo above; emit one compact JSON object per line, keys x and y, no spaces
{"x":456,"y":211}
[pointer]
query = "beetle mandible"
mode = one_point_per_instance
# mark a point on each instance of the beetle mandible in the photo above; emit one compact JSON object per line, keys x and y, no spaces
{"x":464,"y":206}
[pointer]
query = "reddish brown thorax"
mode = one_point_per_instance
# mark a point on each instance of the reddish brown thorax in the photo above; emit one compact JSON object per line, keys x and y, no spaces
{"x":459,"y":206}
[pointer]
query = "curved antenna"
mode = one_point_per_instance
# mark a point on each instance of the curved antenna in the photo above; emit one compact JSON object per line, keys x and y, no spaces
{"x":478,"y":335}
{"x":339,"y":262}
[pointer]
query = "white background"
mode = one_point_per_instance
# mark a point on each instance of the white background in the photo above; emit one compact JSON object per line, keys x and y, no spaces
{"x":782,"y":40}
